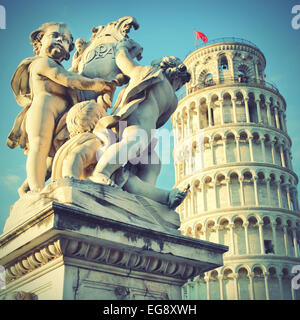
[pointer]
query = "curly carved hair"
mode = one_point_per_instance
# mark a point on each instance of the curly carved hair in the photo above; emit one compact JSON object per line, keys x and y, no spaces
{"x":37,"y":35}
{"x":173,"y":67}
{"x":83,"y":117}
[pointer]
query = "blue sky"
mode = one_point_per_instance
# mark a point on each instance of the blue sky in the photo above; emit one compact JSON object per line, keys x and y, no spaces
{"x":166,"y":28}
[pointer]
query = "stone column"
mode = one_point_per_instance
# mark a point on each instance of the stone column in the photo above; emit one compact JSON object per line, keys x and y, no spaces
{"x":268,"y":181}
{"x":238,"y":153}
{"x":273,"y":151}
{"x":247,"y":110}
{"x":209,"y":115}
{"x":250,"y":138}
{"x":280,"y":286}
{"x":269,"y":113}
{"x":276,"y":117}
{"x":251,"y":276}
{"x":192,"y":201}
{"x":211,"y":143}
{"x":285,"y":240}
{"x":283,"y":164}
{"x":203,"y":197}
{"x":242,"y":191}
{"x":236,"y":289}
{"x":228,"y":191}
{"x":266,"y":274}
{"x":231,"y":226}
{"x":263,"y":148}
{"x":261,"y":237}
{"x":258,"y":110}
{"x":224,"y":149}
{"x":220,"y":277}
{"x":207,"y":287}
{"x":278,"y":182}
{"x":215,"y":193}
{"x":222,"y":111}
{"x":281,"y":120}
{"x":273,"y":225}
{"x":287,"y":187}
{"x":199,"y":118}
{"x":255,"y":178}
{"x":245,"y":225}
{"x":234,"y":109}
{"x":218,"y":232}
{"x":295,"y":242}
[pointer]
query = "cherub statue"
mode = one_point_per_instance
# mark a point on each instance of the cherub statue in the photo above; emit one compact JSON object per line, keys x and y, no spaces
{"x":78,"y":157}
{"x":145,"y":104}
{"x":42,"y":86}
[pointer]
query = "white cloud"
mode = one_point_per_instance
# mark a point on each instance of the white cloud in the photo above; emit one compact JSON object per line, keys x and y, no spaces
{"x":11,"y":181}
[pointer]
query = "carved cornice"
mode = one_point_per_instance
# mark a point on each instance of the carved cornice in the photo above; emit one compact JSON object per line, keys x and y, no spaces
{"x":118,"y":257}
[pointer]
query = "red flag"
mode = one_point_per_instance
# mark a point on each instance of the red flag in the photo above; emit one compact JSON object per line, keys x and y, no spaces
{"x":200,"y":35}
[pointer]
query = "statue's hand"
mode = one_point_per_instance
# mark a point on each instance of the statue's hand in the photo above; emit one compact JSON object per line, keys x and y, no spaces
{"x":104,"y":86}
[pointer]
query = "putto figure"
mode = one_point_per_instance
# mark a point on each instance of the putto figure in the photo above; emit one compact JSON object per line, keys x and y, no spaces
{"x":145,"y":104}
{"x":42,"y":86}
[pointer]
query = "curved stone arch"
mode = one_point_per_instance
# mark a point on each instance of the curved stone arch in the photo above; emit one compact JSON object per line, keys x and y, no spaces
{"x":255,"y":215}
{"x":254,"y":92}
{"x":274,"y":173}
{"x":232,"y":171}
{"x":211,"y":273}
{"x":237,"y":215}
{"x":242,"y":265}
{"x":192,"y":105}
{"x":274,"y":217}
{"x":246,"y":130}
{"x":267,"y":215}
{"x":207,"y":137}
{"x":203,"y":100}
{"x":184,"y":111}
{"x":287,"y":268}
{"x":206,"y":177}
{"x":217,"y":133}
{"x":291,"y":220}
{"x":219,"y":174}
{"x":248,"y":169}
{"x":259,"y":265}
{"x":228,"y":92}
{"x":228,"y":131}
{"x":241,"y":91}
{"x":285,"y":177}
{"x":211,"y":94}
{"x":220,"y":218}
{"x":274,"y":266}
{"x":226,"y":268}
{"x":207,"y":222}
{"x":256,"y":130}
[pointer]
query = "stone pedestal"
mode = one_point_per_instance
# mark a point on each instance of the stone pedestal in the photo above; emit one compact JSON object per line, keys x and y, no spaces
{"x":80,"y":240}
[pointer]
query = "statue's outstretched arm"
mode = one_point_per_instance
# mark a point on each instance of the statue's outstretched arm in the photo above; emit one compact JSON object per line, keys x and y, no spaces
{"x":127,"y":50}
{"x":58,"y":74}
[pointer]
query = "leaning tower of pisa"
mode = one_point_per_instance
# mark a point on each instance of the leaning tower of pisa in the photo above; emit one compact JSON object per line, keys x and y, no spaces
{"x":232,"y":147}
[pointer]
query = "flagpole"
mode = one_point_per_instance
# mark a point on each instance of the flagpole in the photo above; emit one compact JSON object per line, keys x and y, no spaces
{"x":195,"y":39}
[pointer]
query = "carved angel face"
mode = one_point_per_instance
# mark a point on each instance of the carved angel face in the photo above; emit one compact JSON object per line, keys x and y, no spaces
{"x":55,"y":42}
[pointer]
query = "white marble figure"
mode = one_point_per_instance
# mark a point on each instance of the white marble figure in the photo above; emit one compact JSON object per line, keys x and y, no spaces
{"x":145,"y":104}
{"x":40,"y":85}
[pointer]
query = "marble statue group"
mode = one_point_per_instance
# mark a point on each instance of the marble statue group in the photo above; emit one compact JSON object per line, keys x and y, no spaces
{"x":65,"y":126}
